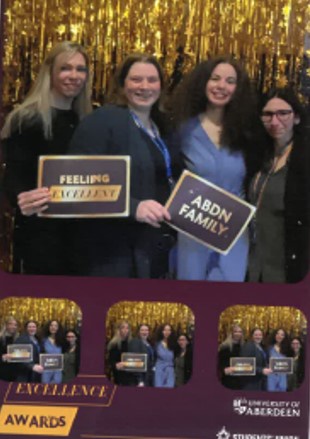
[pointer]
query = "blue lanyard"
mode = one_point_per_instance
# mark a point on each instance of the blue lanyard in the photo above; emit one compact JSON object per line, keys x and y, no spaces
{"x":157,"y":140}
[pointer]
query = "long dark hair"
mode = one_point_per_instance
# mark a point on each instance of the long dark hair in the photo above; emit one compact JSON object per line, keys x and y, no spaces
{"x":285,"y":348}
{"x":178,"y":350}
{"x":77,"y":348}
{"x":239,"y":115}
{"x":171,"y":341}
{"x":59,"y":336}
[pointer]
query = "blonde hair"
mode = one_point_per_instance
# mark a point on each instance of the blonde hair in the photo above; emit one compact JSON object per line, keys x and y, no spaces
{"x":117,"y":339}
{"x":229,"y":341}
{"x":38,"y":100}
{"x":3,"y":332}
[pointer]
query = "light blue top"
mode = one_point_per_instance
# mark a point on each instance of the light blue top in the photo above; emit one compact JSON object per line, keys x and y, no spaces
{"x":164,"y":367}
{"x":226,"y":169}
{"x":276,"y":382}
{"x":50,"y":376}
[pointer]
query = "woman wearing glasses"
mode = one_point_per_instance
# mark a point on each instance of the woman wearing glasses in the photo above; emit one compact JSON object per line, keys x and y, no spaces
{"x":280,"y":191}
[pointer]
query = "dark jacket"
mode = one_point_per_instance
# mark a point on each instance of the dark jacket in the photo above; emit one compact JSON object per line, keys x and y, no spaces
{"x":25,"y":372}
{"x":258,"y":381}
{"x":124,"y":247}
{"x":297,"y":211}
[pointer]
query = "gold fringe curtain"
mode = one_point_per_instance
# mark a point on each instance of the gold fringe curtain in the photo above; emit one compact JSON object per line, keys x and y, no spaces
{"x":40,"y":310}
{"x":268,"y":36}
{"x":268,"y":318}
{"x":153,"y":314}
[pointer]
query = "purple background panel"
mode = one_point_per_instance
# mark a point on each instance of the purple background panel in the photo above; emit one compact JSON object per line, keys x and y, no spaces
{"x":197,"y":410}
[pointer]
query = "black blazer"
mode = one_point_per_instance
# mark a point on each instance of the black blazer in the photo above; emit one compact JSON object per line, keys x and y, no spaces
{"x":25,"y":372}
{"x":258,"y":381}
{"x":111,"y":130}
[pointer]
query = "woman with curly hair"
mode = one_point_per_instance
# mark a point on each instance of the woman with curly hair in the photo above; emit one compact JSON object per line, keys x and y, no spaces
{"x":278,"y":348}
{"x":216,"y":117}
{"x":165,"y":352}
{"x":53,"y":343}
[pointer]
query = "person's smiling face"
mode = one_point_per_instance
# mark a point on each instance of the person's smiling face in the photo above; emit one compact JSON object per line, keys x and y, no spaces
{"x":142,"y":86}
{"x":222,"y":85}
{"x":69,"y":75}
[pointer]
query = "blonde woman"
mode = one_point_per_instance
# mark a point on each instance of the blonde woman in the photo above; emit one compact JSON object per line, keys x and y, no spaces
{"x":231,"y":347}
{"x":43,"y":125}
{"x":8,"y":336}
{"x":116,"y":347}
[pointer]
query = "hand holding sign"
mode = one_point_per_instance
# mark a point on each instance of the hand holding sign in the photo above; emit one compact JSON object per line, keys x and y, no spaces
{"x":208,"y":213}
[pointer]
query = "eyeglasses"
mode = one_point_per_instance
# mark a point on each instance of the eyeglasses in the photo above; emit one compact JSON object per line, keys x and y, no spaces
{"x":282,"y":115}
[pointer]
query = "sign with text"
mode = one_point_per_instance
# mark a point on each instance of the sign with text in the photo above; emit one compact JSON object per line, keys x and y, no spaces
{"x":86,"y":186}
{"x":134,"y":362}
{"x":208,"y":213}
{"x":52,"y":361}
{"x":281,"y":365}
{"x":20,"y":353}
{"x":243,"y":365}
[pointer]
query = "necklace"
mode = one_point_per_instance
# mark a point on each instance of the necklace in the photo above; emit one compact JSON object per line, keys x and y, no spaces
{"x":285,"y":150}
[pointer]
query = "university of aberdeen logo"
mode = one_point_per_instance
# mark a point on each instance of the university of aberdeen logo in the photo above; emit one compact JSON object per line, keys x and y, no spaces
{"x":240,"y":405}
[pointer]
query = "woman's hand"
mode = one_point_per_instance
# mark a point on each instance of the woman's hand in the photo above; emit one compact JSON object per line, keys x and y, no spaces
{"x":38,"y":368}
{"x":229,"y":370}
{"x":152,"y":212}
{"x":34,"y":201}
{"x":267,"y":371}
{"x":6,"y":357}
{"x":120,"y":365}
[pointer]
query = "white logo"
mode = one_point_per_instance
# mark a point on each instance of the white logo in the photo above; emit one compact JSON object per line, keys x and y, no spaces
{"x":223,"y":434}
{"x":240,"y":405}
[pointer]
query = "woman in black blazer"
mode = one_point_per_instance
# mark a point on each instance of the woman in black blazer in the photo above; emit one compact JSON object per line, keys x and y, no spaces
{"x":254,"y":348}
{"x":137,"y":246}
{"x":31,"y":371}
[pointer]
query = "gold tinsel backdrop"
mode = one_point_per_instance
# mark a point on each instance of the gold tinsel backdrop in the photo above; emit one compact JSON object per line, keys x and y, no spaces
{"x":267,"y":318}
{"x":268,"y":36}
{"x":154,"y":314}
{"x":41,"y":310}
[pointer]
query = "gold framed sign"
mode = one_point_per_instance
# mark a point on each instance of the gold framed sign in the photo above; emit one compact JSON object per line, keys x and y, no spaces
{"x":20,"y":353}
{"x":281,"y":365}
{"x":208,"y":213}
{"x":85,"y":186}
{"x":52,"y":361}
{"x":243,"y":365}
{"x":134,"y":362}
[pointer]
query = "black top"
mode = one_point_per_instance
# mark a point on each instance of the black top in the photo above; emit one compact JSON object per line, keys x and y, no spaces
{"x":224,"y":356}
{"x":41,"y":244}
{"x":8,"y":371}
